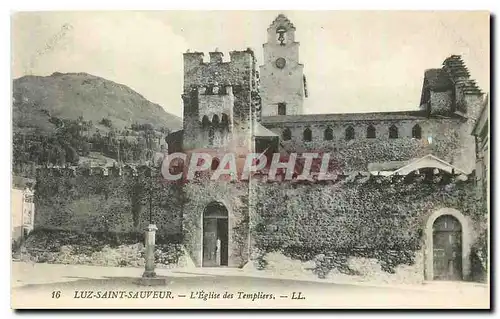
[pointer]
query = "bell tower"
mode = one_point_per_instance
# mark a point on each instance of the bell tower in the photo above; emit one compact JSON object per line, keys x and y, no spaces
{"x":282,"y":81}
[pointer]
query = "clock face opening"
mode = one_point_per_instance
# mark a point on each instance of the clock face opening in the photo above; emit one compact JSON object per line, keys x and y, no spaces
{"x":280,"y":63}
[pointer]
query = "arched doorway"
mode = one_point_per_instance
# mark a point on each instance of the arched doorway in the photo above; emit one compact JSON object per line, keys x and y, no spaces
{"x":215,"y":235}
{"x":436,"y":230}
{"x":447,"y":248}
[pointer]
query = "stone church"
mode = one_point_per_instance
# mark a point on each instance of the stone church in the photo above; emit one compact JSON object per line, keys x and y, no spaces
{"x":243,"y":107}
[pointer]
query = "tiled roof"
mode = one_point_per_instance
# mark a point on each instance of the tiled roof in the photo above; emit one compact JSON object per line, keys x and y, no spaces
{"x":469,"y":86}
{"x":452,"y":72}
{"x":456,"y":67}
{"x":456,"y":70}
{"x":261,"y":131}
{"x":428,"y":161}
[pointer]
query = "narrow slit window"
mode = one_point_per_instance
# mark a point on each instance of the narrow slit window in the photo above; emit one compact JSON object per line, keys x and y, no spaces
{"x":281,"y":108}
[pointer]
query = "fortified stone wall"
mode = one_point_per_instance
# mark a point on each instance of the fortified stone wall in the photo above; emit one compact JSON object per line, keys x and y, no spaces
{"x":107,"y":201}
{"x":235,"y":197}
{"x":380,"y":218}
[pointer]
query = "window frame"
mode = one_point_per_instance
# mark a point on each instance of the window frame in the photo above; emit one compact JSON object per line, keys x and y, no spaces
{"x":349,"y":129}
{"x":393,"y":129}
{"x":307,"y":138}
{"x":282,"y":107}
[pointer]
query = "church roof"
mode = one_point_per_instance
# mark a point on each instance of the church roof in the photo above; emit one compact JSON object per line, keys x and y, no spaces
{"x":260,"y":130}
{"x":453,"y":71}
{"x":345,"y":117}
{"x":455,"y":67}
{"x":386,"y":166}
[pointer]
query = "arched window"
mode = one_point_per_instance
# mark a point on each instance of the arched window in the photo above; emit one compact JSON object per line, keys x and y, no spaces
{"x":205,"y":122}
{"x":328,"y":134}
{"x":307,"y":135}
{"x":281,"y":108}
{"x":370,"y":132}
{"x":349,"y":133}
{"x":215,"y":120}
{"x":287,"y":134}
{"x":215,"y":163}
{"x":225,"y":119}
{"x":416,"y":132}
{"x":281,"y":35}
{"x":393,"y":132}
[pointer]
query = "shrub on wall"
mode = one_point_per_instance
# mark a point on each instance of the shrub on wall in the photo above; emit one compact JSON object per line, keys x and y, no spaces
{"x":98,"y":203}
{"x":450,"y":140}
{"x":46,"y":245}
{"x":331,"y":223}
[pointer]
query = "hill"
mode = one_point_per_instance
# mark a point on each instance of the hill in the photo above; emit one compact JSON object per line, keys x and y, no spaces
{"x":72,"y":95}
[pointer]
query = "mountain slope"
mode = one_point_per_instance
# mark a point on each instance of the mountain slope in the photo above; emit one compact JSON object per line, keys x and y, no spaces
{"x":68,"y":96}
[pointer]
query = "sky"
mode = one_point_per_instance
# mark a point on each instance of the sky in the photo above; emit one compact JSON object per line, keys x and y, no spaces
{"x":354,"y":61}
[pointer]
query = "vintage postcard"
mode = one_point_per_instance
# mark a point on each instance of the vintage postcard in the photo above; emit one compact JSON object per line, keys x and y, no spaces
{"x":250,"y":159}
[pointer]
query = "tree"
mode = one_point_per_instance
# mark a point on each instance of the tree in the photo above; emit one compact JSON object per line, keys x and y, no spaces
{"x":71,"y":155}
{"x":106,"y":122}
{"x":85,"y":148}
{"x":57,"y":155}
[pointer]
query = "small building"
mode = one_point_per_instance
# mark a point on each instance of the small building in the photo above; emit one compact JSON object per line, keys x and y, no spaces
{"x":23,"y":208}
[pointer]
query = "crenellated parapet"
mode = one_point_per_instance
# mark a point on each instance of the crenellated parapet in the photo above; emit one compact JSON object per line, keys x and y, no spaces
{"x":216,"y":57}
{"x":108,"y":171}
{"x":219,"y":97}
{"x":238,"y":71}
{"x":428,"y":175}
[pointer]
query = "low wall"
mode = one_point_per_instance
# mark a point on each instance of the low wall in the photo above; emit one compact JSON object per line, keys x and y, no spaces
{"x":358,"y":229}
{"x":99,"y":203}
{"x":363,"y":270}
{"x":98,"y":249}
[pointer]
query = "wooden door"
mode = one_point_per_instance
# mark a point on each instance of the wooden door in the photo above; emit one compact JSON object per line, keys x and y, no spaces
{"x":209,"y":242}
{"x":222,"y":235}
{"x":447,"y":248}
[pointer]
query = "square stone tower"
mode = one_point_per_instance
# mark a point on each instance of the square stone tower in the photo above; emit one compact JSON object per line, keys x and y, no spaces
{"x":282,"y":81}
{"x":218,"y":100}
